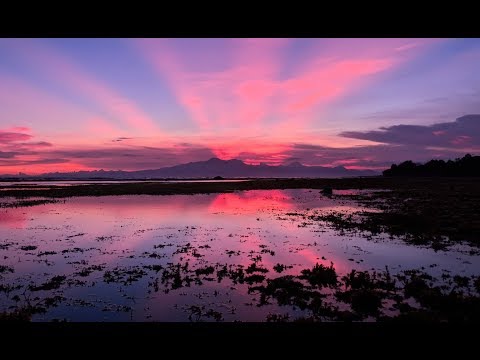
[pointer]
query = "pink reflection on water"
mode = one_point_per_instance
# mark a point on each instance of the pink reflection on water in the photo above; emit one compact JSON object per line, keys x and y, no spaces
{"x":240,"y":221}
{"x":251,"y":202}
{"x":237,"y":227}
{"x":311,"y":258}
{"x":12,"y":219}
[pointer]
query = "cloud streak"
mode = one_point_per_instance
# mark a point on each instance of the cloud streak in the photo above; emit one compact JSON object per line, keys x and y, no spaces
{"x":461,"y":133}
{"x":250,"y":89}
{"x":60,"y":67}
{"x":8,"y":137}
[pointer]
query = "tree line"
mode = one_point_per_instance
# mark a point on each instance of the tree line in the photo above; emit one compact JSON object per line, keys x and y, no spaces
{"x":467,"y":166}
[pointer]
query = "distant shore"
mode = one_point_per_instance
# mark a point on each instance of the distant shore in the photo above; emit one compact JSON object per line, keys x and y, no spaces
{"x":150,"y":187}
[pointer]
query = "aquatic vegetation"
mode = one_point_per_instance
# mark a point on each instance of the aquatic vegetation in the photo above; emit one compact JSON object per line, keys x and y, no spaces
{"x":320,"y":275}
{"x":363,"y":301}
{"x":52,"y":284}
{"x":155,"y":268}
{"x":197,"y":312}
{"x":18,"y":315}
{"x":89,"y":269}
{"x":205,"y":271}
{"x":369,"y":280}
{"x":124,"y":276}
{"x":286,"y":290}
{"x":6,"y":246}
{"x":153,"y":255}
{"x":237,"y":275}
{"x":254,"y":268}
{"x":104,"y":238}
{"x":231,"y":252}
{"x":46,"y":253}
{"x":5,"y":269}
{"x":255,"y":278}
{"x":477,"y":284}
{"x":278,"y":318}
{"x":161,"y":246}
{"x":364,"y":291}
{"x":77,"y":250}
{"x":26,"y":203}
{"x":280,"y":268}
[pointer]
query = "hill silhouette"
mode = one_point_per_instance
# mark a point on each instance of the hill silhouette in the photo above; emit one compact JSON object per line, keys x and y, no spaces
{"x":467,"y":166}
{"x":211,"y":168}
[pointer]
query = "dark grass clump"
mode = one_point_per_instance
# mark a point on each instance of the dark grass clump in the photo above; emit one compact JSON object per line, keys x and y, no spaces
{"x":123,"y":276}
{"x":205,"y":271}
{"x":279,"y":268}
{"x":52,"y":284}
{"x":320,"y":275}
{"x":254,"y":268}
{"x":286,"y":290}
{"x":5,"y":269}
{"x":18,"y":315}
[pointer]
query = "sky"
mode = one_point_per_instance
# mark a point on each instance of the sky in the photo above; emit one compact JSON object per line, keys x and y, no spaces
{"x":132,"y":104}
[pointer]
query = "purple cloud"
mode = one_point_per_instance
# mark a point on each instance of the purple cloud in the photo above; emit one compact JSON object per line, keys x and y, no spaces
{"x":15,"y":162}
{"x":8,"y":137}
{"x":464,"y":132}
{"x":134,"y":158}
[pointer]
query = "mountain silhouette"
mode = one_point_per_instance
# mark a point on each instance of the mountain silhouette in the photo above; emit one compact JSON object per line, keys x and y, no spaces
{"x":208,"y":169}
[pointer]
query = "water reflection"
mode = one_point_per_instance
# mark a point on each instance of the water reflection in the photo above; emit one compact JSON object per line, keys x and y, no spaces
{"x":171,"y":258}
{"x":12,"y":219}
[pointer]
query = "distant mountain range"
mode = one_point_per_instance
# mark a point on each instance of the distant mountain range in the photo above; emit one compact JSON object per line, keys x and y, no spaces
{"x":209,"y":169}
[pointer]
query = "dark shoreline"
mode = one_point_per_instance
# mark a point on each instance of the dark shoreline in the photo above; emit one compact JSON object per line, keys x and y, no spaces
{"x":464,"y":185}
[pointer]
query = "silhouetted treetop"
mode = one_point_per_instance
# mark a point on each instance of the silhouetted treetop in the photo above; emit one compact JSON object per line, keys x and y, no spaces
{"x":467,"y":166}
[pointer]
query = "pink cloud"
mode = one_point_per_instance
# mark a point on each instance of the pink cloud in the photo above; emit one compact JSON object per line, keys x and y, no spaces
{"x":318,"y":86}
{"x":33,"y":169}
{"x":37,"y":144}
{"x":252,"y":90}
{"x":19,"y":129}
{"x":232,"y":96}
{"x":8,"y":137}
{"x":461,"y":140}
{"x":14,"y":141}
{"x":264,"y":151}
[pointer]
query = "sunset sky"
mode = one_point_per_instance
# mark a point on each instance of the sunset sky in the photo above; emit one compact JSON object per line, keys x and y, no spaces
{"x":131,"y":104}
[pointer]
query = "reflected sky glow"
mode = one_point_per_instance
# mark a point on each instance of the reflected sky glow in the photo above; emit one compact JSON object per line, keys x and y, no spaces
{"x":271,"y":227}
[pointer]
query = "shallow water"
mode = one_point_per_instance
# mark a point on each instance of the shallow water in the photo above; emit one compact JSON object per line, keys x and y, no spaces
{"x":37,"y":185}
{"x":105,"y":245}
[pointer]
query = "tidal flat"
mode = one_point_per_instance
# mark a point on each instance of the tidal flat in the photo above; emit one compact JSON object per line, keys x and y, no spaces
{"x":375,"y":249}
